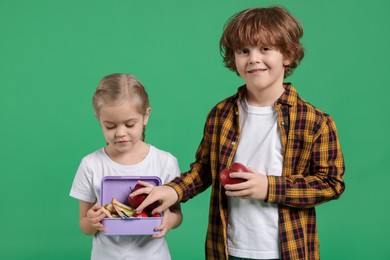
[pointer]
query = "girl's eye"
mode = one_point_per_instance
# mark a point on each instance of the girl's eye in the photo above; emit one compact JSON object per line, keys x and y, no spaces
{"x":129,"y":126}
{"x":110,"y":127}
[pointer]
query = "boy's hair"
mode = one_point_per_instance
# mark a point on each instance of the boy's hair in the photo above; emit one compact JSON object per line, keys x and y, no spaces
{"x":117,"y":88}
{"x":273,"y":26}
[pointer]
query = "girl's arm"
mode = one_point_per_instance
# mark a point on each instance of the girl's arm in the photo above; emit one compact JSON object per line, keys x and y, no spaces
{"x":90,"y":218}
{"x":172,"y":219}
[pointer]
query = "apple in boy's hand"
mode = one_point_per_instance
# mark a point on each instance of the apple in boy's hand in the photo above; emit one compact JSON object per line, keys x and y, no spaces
{"x":226,"y":179}
{"x":135,"y":201}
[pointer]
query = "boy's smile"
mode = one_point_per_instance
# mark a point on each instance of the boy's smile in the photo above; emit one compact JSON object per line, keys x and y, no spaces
{"x":255,"y":71}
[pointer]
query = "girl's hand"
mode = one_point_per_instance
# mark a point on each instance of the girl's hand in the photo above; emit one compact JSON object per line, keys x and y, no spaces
{"x":90,"y":217}
{"x":165,"y":226}
{"x":172,"y":218}
{"x":256,"y":186}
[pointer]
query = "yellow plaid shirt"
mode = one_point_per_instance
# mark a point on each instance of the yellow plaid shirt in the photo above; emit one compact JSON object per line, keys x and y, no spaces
{"x":313,"y":169}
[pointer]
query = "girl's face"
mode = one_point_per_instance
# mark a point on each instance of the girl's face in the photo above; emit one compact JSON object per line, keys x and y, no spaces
{"x":261,"y":67}
{"x":122,"y":127}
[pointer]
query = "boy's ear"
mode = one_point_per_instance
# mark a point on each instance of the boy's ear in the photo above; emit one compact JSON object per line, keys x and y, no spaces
{"x":287,"y":62}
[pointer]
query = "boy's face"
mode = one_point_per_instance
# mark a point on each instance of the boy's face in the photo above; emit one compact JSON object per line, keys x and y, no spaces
{"x":261,"y":67}
{"x":122,"y":127}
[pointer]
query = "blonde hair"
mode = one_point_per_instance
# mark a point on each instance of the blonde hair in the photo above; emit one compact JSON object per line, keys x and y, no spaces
{"x":273,"y":26}
{"x":120,"y":87}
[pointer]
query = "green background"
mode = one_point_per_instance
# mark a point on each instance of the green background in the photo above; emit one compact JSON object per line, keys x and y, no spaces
{"x":53,"y":54}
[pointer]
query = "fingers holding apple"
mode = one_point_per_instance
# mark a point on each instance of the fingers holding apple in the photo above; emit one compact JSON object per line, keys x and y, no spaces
{"x":255,"y":187}
{"x":226,"y":178}
{"x":139,"y":194}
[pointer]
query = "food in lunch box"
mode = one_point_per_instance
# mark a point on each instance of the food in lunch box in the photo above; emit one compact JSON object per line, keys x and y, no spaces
{"x":116,"y":209}
{"x":142,"y":214}
{"x":135,"y":201}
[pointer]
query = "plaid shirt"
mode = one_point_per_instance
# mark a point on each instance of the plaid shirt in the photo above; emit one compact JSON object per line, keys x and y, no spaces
{"x":313,"y":169}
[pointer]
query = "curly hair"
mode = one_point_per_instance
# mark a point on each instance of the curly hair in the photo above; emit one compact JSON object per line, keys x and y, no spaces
{"x":273,"y":26}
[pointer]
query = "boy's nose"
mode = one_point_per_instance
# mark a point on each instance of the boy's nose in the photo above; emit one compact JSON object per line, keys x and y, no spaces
{"x":254,"y":57}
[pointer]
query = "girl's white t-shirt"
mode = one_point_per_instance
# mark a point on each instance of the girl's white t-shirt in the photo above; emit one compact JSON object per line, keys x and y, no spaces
{"x":86,"y":186}
{"x":253,"y":224}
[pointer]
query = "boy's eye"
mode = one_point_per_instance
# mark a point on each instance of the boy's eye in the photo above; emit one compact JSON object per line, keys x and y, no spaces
{"x":243,"y":51}
{"x":265,"y":48}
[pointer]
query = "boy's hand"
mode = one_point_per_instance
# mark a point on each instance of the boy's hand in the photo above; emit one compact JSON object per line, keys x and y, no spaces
{"x":256,"y":186}
{"x":95,"y":216}
{"x":165,"y":194}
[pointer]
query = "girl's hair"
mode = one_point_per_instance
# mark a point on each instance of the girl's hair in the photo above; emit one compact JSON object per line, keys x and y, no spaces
{"x":117,"y":88}
{"x":273,"y":26}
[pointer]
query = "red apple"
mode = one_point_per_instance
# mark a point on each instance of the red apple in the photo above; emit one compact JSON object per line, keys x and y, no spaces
{"x":142,"y":214}
{"x":135,"y":201}
{"x":235,"y":167}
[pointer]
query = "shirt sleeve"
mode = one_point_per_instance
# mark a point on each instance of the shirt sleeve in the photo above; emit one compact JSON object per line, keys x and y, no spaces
{"x":172,"y":169}
{"x":82,"y":187}
{"x":323,"y":181}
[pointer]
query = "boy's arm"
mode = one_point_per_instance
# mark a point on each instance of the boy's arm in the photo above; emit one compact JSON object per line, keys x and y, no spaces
{"x":324,"y":181}
{"x":199,"y":177}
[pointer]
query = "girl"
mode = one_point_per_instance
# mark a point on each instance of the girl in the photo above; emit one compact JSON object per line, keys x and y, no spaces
{"x":122,"y":108}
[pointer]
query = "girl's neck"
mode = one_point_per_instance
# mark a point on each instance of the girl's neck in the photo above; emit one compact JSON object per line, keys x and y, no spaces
{"x":134,"y":156}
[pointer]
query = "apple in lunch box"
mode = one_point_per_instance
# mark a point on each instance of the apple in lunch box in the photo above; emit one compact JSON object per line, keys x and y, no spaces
{"x":142,"y":214}
{"x":135,"y":201}
{"x":224,"y":177}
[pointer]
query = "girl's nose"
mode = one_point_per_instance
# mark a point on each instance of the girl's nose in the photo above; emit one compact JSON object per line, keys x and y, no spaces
{"x":120,"y":132}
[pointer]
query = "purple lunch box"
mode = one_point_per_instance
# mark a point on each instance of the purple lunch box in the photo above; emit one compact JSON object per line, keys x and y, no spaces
{"x":119,"y":187}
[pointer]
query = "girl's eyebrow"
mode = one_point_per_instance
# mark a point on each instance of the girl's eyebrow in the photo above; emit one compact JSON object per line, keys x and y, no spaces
{"x":126,"y":121}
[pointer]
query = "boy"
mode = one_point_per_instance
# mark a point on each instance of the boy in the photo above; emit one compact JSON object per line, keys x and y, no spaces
{"x":291,"y":148}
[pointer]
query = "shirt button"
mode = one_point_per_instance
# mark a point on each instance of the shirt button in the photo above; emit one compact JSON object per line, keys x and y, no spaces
{"x":233,"y":143}
{"x":282,"y":123}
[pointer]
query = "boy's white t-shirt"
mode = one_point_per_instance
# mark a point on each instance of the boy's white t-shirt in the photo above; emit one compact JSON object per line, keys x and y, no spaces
{"x":86,"y":186}
{"x":253,"y":224}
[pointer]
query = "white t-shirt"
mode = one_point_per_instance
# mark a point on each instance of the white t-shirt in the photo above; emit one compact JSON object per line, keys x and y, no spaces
{"x":86,"y":186}
{"x":253,"y":224}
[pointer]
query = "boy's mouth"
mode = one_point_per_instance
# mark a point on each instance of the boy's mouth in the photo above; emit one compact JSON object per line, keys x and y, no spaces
{"x":252,"y":71}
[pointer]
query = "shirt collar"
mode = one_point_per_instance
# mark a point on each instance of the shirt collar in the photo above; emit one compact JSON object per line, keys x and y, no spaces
{"x":288,"y":97}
